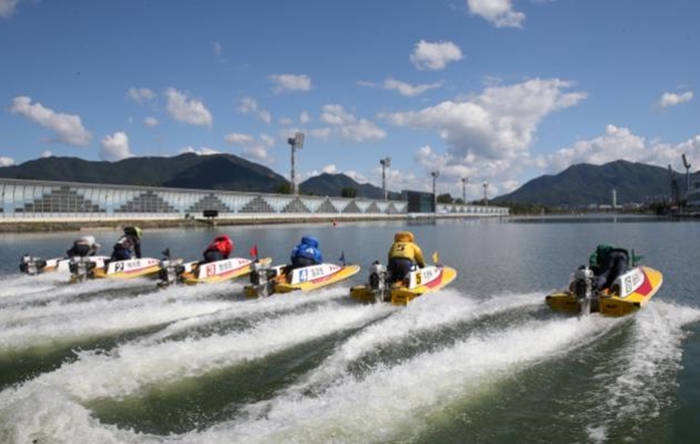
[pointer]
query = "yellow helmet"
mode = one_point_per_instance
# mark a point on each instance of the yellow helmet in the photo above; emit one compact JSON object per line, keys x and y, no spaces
{"x":403,"y":236}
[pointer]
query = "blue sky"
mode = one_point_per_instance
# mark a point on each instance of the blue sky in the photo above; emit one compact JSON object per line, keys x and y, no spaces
{"x":492,"y":91}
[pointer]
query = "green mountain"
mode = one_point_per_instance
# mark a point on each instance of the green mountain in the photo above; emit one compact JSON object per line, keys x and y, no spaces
{"x":333,"y":185}
{"x":584,"y":184}
{"x":219,"y":171}
{"x":212,"y":172}
{"x":578,"y":185}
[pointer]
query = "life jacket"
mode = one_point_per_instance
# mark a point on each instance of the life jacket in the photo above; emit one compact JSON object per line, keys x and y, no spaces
{"x":405,"y":248}
{"x":127,"y":242}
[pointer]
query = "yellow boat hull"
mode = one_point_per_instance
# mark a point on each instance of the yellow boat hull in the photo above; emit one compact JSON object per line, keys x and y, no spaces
{"x":342,"y":274}
{"x":281,"y":285}
{"x":402,"y":295}
{"x":200,"y":274}
{"x":128,"y":269}
{"x":615,"y":304}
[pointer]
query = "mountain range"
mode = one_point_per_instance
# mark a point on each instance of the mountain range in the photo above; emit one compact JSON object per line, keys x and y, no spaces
{"x":578,"y":185}
{"x":584,"y":184}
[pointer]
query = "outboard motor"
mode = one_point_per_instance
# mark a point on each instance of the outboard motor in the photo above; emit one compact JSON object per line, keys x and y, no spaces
{"x":583,"y":288}
{"x":31,"y":265}
{"x":583,"y":282}
{"x":377,"y":280}
{"x":262,"y":277}
{"x":170,"y":271}
{"x":80,"y":268}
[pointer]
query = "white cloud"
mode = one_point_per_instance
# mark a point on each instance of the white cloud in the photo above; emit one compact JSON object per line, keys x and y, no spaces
{"x":673,"y":99}
{"x":187,"y":110}
{"x":258,"y":153}
{"x":250,"y":106}
{"x":115,"y":147}
{"x":291,"y":82}
{"x":499,"y":123}
{"x":330,"y":169}
{"x":267,"y":140}
{"x":251,"y":148}
{"x":619,"y":143}
{"x":8,"y":7}
{"x":406,"y":89}
{"x":285,"y":121}
{"x":476,"y":169}
{"x":238,"y":139}
{"x":498,"y":12}
{"x":320,"y":133}
{"x":304,"y":118}
{"x":46,"y":154}
{"x":140,"y":95}
{"x":6,"y":161}
{"x":346,"y":125}
{"x":435,"y":56}
{"x":150,"y":121}
{"x":616,"y":143}
{"x":216,"y":46}
{"x":201,"y":151}
{"x":68,"y":127}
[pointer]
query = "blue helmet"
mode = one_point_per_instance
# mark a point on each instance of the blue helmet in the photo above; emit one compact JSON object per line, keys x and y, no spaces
{"x":310,"y":240}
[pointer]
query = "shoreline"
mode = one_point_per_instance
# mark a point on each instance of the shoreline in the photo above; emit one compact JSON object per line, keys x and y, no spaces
{"x":79,"y":224}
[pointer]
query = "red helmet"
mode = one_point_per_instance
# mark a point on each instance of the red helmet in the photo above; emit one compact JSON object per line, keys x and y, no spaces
{"x":223,"y":244}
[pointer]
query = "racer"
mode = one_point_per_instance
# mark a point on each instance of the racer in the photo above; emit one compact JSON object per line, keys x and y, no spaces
{"x":607,"y":263}
{"x":403,"y":255}
{"x":85,"y":246}
{"x":306,"y":253}
{"x":129,"y":245}
{"x":219,"y":249}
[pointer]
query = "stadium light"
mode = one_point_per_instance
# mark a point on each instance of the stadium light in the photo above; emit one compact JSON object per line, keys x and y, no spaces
{"x":435,"y":175}
{"x":486,"y":201}
{"x":465,"y":180}
{"x":686,"y":164}
{"x":296,"y":142}
{"x":385,"y":163}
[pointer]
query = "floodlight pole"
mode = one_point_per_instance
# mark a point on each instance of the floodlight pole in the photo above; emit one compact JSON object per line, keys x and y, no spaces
{"x":385,"y":163}
{"x":295,"y":142}
{"x":486,"y":201}
{"x":435,"y":175}
{"x":686,"y":164}
{"x":465,"y":180}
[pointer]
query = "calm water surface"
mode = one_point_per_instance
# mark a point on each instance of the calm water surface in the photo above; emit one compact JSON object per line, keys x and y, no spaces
{"x":482,"y":361}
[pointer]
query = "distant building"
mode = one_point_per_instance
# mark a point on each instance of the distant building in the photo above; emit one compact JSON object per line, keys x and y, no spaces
{"x":419,"y":202}
{"x":693,"y":195}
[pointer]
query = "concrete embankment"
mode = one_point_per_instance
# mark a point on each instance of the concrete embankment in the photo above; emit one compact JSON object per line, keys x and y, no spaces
{"x":26,"y":225}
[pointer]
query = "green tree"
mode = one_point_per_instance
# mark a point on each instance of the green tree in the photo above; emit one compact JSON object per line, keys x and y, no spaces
{"x":285,"y":188}
{"x":445,"y":198}
{"x":348,"y":192}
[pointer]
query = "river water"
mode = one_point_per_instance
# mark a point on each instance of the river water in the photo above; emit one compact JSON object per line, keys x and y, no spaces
{"x":483,"y":361}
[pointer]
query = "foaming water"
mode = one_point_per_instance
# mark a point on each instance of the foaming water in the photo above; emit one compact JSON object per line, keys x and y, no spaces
{"x":395,"y":400}
{"x":49,"y":288}
{"x":56,"y":325}
{"x":640,"y":380}
{"x":251,"y":309}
